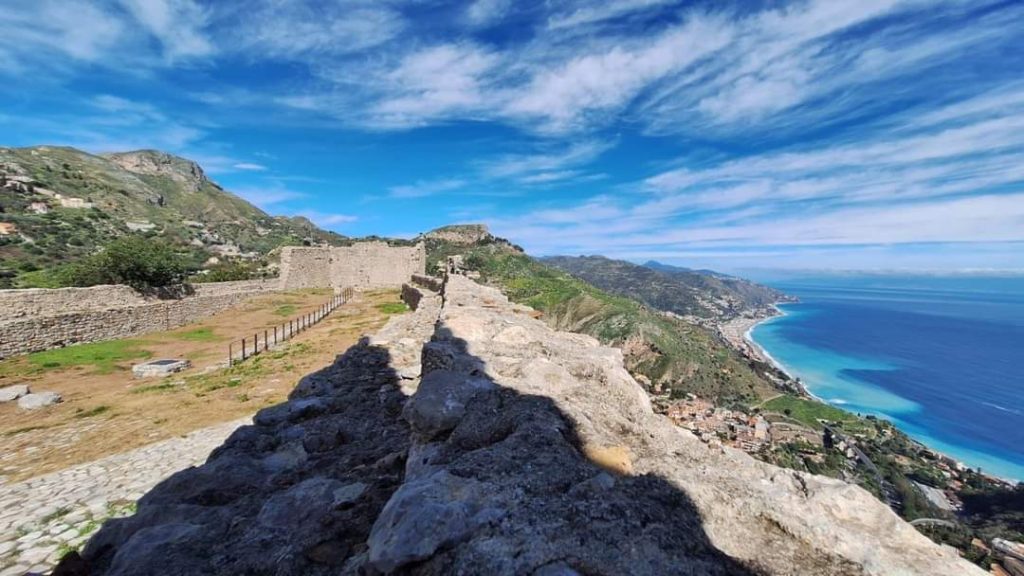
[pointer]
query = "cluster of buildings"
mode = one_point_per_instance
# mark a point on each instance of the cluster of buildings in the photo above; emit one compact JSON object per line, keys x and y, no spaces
{"x":751,"y":433}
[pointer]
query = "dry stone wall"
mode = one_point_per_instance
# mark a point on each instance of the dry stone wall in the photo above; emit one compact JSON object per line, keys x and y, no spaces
{"x":34,"y":320}
{"x":362,"y":265}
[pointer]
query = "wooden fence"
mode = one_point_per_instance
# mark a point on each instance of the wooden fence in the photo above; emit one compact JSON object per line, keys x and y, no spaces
{"x":249,"y":346}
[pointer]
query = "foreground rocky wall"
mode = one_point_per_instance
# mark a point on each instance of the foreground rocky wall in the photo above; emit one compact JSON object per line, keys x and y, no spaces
{"x":44,"y":319}
{"x":469,"y":438}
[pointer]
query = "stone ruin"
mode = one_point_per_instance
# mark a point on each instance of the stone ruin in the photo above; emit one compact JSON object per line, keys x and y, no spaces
{"x":469,"y":438}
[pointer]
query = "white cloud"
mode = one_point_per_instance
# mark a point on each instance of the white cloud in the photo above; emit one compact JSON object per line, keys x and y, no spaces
{"x":34,"y":31}
{"x":583,"y":13}
{"x":177,"y":24}
{"x":269,"y":195}
{"x":250,"y":167}
{"x":546,"y":166}
{"x":432,"y":84}
{"x":422,"y":189}
{"x":284,"y":29}
{"x":327,"y":219}
{"x":487,"y":12}
{"x":565,"y":95}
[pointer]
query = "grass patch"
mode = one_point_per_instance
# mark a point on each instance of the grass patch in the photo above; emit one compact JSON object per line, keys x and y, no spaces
{"x":91,"y":412}
{"x":808,"y":412}
{"x":285,"y":309}
{"x":17,"y":431}
{"x":392,"y":307}
{"x":102,"y":356}
{"x":162,"y":387}
{"x":197,"y":335}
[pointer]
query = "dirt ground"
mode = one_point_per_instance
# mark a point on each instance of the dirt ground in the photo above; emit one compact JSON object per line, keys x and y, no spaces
{"x":105,"y":410}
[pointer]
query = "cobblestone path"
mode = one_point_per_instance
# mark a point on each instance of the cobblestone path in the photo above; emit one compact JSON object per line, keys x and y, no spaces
{"x":45,"y":517}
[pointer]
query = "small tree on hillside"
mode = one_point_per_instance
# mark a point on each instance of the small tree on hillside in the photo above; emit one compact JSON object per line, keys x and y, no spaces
{"x":142,"y":263}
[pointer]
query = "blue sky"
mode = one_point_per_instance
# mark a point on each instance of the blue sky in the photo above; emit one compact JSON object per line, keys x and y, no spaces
{"x":804,"y":134}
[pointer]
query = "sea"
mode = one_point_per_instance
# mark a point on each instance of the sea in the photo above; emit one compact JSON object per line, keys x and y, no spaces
{"x":940,"y":357}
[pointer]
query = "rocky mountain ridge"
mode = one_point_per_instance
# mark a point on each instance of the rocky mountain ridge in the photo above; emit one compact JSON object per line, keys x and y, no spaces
{"x":469,"y":437}
{"x":697,"y":294}
{"x":58,"y":204}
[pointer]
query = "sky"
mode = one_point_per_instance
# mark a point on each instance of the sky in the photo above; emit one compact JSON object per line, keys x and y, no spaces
{"x":808,"y":134}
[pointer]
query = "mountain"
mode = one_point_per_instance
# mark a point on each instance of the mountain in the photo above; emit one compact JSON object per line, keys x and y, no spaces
{"x":667,"y":354}
{"x":695,"y":293}
{"x":59,"y":204}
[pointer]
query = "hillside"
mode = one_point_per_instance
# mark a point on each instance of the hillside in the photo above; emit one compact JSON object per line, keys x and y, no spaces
{"x":702,"y":294}
{"x":673,"y":355}
{"x":59,"y":204}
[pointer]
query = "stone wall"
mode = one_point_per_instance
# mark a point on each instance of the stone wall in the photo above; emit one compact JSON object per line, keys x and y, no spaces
{"x":362,"y":265}
{"x":34,"y":320}
{"x":34,"y":302}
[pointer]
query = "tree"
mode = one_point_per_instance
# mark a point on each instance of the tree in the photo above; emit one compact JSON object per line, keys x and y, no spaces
{"x":142,"y":263}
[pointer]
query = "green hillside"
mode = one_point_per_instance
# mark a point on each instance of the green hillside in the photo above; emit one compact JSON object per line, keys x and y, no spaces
{"x":65,"y":203}
{"x":678,"y":356}
{"x":685,"y":292}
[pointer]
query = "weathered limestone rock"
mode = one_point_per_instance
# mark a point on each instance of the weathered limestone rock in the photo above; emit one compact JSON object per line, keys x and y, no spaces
{"x":159,"y":368}
{"x":9,"y":393}
{"x":37,"y":400}
{"x":520,"y":451}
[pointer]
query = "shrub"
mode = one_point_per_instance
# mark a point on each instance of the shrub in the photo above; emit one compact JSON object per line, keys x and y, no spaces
{"x":227,"y":272}
{"x":142,"y":263}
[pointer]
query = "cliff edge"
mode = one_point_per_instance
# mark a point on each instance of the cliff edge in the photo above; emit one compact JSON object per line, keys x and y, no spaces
{"x":469,"y":438}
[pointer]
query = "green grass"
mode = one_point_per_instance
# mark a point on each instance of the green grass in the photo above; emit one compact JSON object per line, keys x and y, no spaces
{"x":80,"y":413}
{"x":197,"y":335}
{"x":392,"y":307}
{"x":162,"y":387}
{"x":285,"y":310}
{"x":808,"y":412}
{"x":102,"y":356}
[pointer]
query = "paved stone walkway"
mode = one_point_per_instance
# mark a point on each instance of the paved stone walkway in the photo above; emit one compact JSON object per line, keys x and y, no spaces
{"x":43,"y":518}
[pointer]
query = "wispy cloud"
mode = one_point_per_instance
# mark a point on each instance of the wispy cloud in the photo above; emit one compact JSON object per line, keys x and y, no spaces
{"x":176,"y":24}
{"x":423,"y":189}
{"x":327,"y":219}
{"x":268,"y":195}
{"x":250,"y":167}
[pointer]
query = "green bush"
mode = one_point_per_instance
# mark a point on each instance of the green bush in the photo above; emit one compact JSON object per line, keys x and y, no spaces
{"x":227,"y":272}
{"x":142,"y":263}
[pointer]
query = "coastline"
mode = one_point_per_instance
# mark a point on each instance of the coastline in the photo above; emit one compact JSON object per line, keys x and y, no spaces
{"x":764,"y":355}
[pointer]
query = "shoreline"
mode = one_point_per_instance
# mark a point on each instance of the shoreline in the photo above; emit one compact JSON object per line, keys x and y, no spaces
{"x":763,"y":353}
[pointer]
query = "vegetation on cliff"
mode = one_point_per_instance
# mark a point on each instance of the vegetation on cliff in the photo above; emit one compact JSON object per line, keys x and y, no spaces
{"x":673,"y":355}
{"x":65,"y":204}
{"x":685,"y":292}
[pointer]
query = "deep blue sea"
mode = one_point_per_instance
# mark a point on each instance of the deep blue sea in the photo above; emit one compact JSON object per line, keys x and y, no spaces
{"x":940,"y":357}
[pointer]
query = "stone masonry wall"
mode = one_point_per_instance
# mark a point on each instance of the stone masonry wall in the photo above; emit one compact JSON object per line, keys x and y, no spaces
{"x":362,"y":265}
{"x":55,"y":318}
{"x":34,"y":302}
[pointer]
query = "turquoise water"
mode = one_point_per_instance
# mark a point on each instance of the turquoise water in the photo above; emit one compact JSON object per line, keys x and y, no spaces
{"x":940,"y":358}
